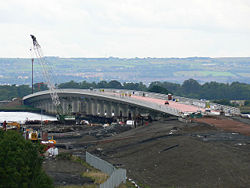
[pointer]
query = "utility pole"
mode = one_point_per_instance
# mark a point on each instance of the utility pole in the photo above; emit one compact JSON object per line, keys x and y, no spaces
{"x":32,"y":60}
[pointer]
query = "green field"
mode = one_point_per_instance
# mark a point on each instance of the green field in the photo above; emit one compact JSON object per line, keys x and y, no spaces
{"x":203,"y":73}
{"x":204,"y":69}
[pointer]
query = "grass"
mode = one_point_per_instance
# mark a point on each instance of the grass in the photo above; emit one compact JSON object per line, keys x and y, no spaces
{"x":84,"y":163}
{"x":203,"y":73}
{"x":127,"y":185}
{"x":69,"y":156}
{"x":78,"y":186}
{"x":97,"y":176}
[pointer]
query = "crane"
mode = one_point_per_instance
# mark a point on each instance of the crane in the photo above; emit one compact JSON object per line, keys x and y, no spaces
{"x":48,"y":73}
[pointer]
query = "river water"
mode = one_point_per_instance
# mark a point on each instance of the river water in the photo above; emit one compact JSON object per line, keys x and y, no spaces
{"x":21,"y":117}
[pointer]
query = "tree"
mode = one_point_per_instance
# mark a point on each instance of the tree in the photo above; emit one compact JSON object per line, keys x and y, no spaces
{"x":158,"y":89}
{"x":115,"y":84}
{"x":23,"y":90}
{"x":223,"y":102}
{"x":172,"y":87}
{"x":71,"y":84}
{"x":102,"y":84}
{"x":247,"y":103}
{"x":21,"y":163}
{"x":191,"y":86}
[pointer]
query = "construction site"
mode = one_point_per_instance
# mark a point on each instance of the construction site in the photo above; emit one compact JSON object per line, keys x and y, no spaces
{"x":160,"y":140}
{"x":201,"y":152}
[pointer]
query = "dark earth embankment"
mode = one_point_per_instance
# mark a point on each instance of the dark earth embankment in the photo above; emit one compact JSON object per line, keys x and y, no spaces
{"x":66,"y":172}
{"x":195,"y":155}
{"x":165,"y":154}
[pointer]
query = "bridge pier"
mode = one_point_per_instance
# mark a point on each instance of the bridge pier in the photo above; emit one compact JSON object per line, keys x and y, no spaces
{"x":94,"y":107}
{"x":107,"y":107}
{"x":93,"y":103}
{"x":101,"y":105}
{"x":87,"y":106}
{"x":90,"y":106}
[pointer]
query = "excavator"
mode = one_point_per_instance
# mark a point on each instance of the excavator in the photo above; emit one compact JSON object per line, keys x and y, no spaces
{"x":16,"y":125}
{"x":47,"y":74}
{"x":10,"y":125}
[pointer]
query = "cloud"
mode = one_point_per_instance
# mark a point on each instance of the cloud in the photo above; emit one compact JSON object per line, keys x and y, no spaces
{"x":126,"y":28}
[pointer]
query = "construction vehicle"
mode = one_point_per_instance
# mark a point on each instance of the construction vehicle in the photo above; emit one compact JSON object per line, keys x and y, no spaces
{"x":30,"y":134}
{"x":48,"y":73}
{"x":33,"y":136}
{"x":51,"y":140}
{"x":13,"y":125}
{"x":10,"y":126}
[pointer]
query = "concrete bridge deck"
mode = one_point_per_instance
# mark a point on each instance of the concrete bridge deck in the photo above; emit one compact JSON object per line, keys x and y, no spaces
{"x":144,"y":100}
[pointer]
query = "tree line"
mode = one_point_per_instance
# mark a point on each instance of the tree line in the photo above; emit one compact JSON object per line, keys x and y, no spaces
{"x":189,"y":88}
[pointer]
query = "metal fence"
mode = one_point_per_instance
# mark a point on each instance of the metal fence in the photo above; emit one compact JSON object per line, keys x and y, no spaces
{"x":117,"y":176}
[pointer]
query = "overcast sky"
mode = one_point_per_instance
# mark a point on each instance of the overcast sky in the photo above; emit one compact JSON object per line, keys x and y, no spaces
{"x":126,"y":28}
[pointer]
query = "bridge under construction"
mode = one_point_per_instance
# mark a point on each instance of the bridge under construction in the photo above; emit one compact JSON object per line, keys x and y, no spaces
{"x":121,"y":103}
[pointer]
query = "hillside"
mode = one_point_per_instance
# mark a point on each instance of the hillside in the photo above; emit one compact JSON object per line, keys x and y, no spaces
{"x":203,"y":69}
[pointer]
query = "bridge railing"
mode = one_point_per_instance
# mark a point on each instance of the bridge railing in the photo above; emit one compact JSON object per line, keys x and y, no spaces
{"x":188,"y":101}
{"x":115,"y":94}
{"x":151,"y":105}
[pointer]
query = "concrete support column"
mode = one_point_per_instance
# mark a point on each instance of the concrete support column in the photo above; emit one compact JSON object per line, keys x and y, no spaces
{"x":112,"y":108}
{"x":108,"y":109}
{"x":116,"y":110}
{"x":101,"y":108}
{"x":46,"y":105}
{"x":139,"y":111}
{"x":83,"y":107}
{"x":70,"y":105}
{"x":50,"y":107}
{"x":73,"y":104}
{"x":64,"y":106}
{"x":89,"y":107}
{"x":94,"y":107}
{"x":53,"y":109}
{"x":125,"y":108}
{"x":39,"y":105}
{"x":131,"y":112}
{"x":121,"y":111}
{"x":78,"y":105}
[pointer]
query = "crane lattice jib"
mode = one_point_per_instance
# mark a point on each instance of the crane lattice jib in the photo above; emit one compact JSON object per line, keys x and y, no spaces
{"x":47,"y":72}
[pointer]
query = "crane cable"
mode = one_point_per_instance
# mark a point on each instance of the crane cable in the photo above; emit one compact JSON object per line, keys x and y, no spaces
{"x":47,"y":72}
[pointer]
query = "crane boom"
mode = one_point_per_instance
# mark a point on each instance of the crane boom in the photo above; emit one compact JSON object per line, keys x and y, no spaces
{"x":47,"y":73}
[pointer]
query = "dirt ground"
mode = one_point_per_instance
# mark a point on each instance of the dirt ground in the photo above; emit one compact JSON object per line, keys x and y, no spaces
{"x":165,"y":154}
{"x":65,"y":172}
{"x":195,"y":155}
{"x":239,"y":125}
